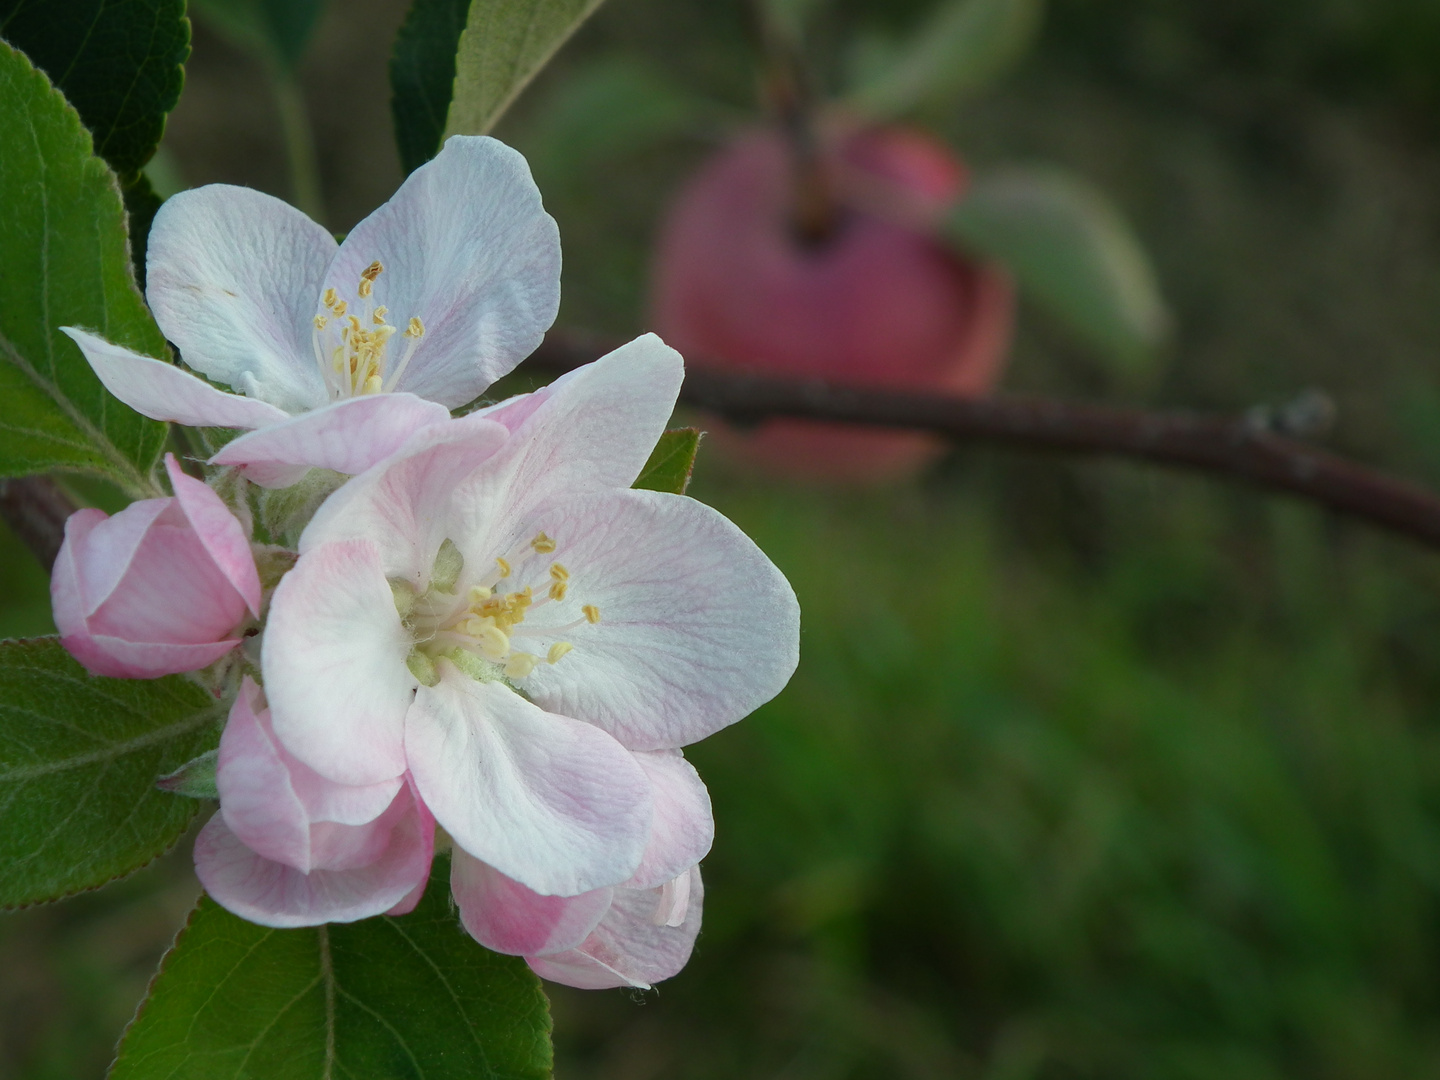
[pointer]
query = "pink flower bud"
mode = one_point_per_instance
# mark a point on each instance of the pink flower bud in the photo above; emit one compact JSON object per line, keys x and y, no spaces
{"x":157,"y":589}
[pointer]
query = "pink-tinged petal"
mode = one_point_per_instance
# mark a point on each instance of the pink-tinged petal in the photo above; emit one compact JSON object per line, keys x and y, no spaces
{"x":468,"y":249}
{"x":682,"y":828}
{"x":504,"y":915}
{"x":103,"y":654}
{"x":402,"y":505}
{"x":630,"y":947}
{"x":273,"y":894}
{"x":257,"y":801}
{"x":233,"y":277}
{"x":697,"y":627}
{"x":554,"y":803}
{"x":163,"y":391}
{"x":285,"y":811}
{"x":347,"y":436}
{"x":411,"y":900}
{"x":334,"y":661}
{"x":219,"y":531}
{"x":102,"y":548}
{"x":67,"y":596}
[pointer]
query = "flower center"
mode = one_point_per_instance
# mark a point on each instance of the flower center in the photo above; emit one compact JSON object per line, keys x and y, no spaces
{"x":484,"y":630}
{"x":351,"y":348}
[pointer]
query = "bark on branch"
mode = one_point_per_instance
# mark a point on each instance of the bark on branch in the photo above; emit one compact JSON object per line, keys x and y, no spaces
{"x":1234,"y":447}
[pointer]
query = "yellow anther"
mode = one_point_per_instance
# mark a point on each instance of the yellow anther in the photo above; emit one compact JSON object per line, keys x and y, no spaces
{"x":543,"y":544}
{"x":340,"y":307}
{"x":330,"y":299}
{"x":372,"y":385}
{"x":557,"y":591}
{"x":478,"y":593}
{"x":415,"y":328}
{"x":320,"y":322}
{"x":520,"y":665}
{"x":559,"y":649}
{"x":371,"y":272}
{"x":493,"y":641}
{"x":559,"y":573}
{"x":379,"y":317}
{"x":365,"y":288}
{"x":591,"y":613}
{"x":504,"y":567}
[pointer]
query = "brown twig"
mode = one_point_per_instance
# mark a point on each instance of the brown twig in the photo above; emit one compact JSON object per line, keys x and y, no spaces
{"x":1236,"y":447}
{"x":35,"y":509}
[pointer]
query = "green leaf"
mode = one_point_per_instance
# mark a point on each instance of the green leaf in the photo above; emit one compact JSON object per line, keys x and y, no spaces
{"x":278,"y":29}
{"x":503,"y":45}
{"x":120,"y":63}
{"x":422,"y":76}
{"x":65,"y":262}
{"x":1069,"y":249}
{"x":671,"y":462}
{"x":79,"y":756}
{"x":605,"y":109}
{"x":412,"y":997}
{"x":962,"y":47}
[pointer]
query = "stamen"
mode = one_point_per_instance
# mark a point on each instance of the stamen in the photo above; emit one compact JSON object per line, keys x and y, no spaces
{"x":416,"y":328}
{"x":379,"y":317}
{"x":592,"y":613}
{"x":492,"y":640}
{"x":330,"y":298}
{"x":559,"y":573}
{"x":520,"y":665}
{"x":372,"y":385}
{"x":339,"y":308}
{"x":557,"y":591}
{"x":478,"y":593}
{"x":559,"y":649}
{"x":504,"y":567}
{"x":320,"y":322}
{"x":367,"y":279}
{"x":543,"y":544}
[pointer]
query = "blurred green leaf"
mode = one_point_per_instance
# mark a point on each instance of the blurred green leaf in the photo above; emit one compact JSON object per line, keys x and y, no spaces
{"x":962,"y":47}
{"x":791,"y":16}
{"x":422,"y":76}
{"x":604,"y":110}
{"x":412,"y":996}
{"x":65,"y":259}
{"x":503,"y":45}
{"x":79,"y":756}
{"x":671,"y":462}
{"x":1072,"y":252}
{"x":279,"y":29}
{"x":120,"y":63}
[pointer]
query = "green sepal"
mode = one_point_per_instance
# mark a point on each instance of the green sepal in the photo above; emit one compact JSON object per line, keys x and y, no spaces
{"x":195,"y":779}
{"x":671,"y":462}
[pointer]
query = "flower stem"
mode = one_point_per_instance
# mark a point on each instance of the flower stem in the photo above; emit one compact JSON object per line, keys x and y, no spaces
{"x":299,"y":137}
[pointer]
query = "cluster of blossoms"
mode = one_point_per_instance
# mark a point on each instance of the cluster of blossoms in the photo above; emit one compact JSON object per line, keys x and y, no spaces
{"x":477,"y":626}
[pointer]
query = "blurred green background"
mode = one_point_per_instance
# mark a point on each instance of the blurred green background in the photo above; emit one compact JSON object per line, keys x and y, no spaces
{"x":1089,"y":770}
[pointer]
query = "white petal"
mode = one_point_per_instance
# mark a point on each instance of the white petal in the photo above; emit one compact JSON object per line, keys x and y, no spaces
{"x":402,"y":505}
{"x":697,"y":627}
{"x":505,"y":916}
{"x":334,"y":662}
{"x":347,"y":436}
{"x":233,"y":277}
{"x":162,"y":391}
{"x":468,"y":249}
{"x":554,"y":803}
{"x":682,"y":828}
{"x":629,"y":947}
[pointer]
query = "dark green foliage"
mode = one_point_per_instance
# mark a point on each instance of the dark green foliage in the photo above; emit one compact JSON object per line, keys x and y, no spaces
{"x":65,"y":263}
{"x":671,"y":462}
{"x":422,"y":76}
{"x":280,"y":30}
{"x":79,"y":757}
{"x":120,"y":63}
{"x":411,"y":997}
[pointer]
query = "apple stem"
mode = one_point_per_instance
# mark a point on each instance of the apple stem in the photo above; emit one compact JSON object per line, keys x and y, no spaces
{"x":787,"y":91}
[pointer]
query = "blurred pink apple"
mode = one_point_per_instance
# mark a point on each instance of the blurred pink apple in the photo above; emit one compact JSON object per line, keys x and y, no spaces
{"x":877,"y":302}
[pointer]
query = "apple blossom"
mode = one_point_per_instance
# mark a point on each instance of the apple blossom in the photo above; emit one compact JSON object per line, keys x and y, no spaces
{"x":430,"y":629}
{"x":159,"y":588}
{"x":340,"y":352}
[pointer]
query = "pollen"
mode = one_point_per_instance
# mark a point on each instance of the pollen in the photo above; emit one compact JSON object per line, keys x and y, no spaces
{"x":543,"y":544}
{"x":320,"y":322}
{"x":339,"y":307}
{"x":330,"y":298}
{"x":379,"y":317}
{"x":415,"y":328}
{"x":559,"y":649}
{"x":558,"y":572}
{"x":558,"y":590}
{"x":367,"y":279}
{"x":504,"y":567}
{"x":591,"y":613}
